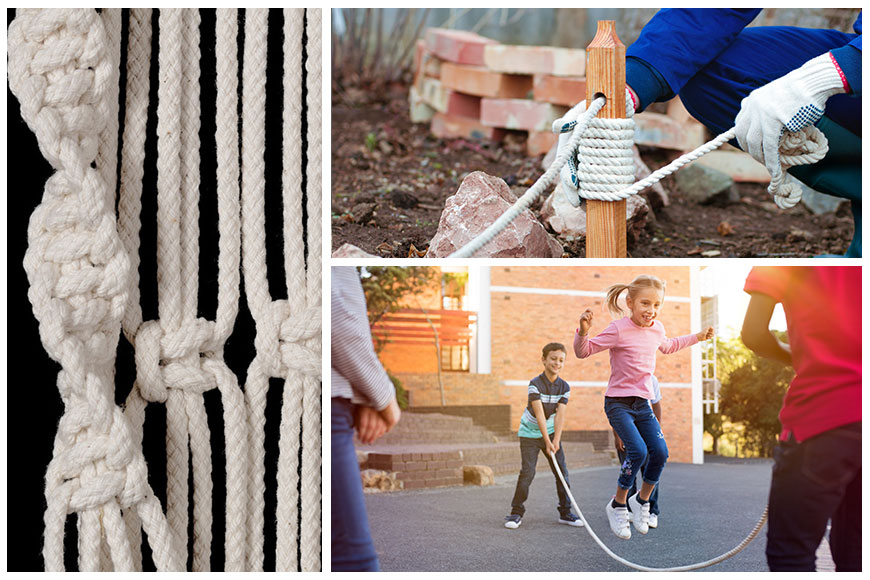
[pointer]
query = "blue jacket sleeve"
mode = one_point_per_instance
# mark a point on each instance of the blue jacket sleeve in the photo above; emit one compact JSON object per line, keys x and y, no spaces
{"x":849,"y":59}
{"x":676,"y":44}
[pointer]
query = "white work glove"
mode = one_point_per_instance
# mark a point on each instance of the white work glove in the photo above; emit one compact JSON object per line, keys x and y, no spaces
{"x":564,"y":127}
{"x":790,"y":103}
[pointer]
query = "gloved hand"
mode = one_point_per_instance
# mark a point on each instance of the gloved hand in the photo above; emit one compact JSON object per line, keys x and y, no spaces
{"x":564,"y":127}
{"x":789,"y":103}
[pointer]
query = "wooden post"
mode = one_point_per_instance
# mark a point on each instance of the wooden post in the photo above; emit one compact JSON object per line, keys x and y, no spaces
{"x":605,"y":74}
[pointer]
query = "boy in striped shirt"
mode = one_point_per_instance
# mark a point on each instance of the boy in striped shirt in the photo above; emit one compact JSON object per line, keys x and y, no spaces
{"x":544,"y":417}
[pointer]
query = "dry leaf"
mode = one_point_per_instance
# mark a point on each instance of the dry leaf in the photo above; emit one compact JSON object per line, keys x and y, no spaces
{"x":413,"y":252}
{"x":694,"y":251}
{"x":725,"y":229}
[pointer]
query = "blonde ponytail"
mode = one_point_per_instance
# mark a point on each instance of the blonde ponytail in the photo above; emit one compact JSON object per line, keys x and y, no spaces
{"x":641,"y":282}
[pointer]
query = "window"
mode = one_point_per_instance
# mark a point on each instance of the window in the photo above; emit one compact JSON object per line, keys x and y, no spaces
{"x":454,"y":357}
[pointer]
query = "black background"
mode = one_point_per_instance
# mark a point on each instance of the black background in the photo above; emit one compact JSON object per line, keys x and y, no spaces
{"x":33,"y":402}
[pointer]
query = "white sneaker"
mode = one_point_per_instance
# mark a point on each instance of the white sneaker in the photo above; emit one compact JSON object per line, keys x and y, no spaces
{"x":653,"y":520}
{"x":618,"y":518}
{"x":639,"y":514}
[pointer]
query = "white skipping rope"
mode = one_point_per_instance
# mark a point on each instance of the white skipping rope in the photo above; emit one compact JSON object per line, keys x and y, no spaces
{"x":808,"y":145}
{"x":738,"y":548}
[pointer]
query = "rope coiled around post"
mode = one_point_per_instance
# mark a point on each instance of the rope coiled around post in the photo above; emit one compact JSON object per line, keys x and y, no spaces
{"x":604,"y":165}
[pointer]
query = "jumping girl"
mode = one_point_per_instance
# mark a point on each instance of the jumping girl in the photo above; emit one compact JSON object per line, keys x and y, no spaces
{"x":633,"y":341}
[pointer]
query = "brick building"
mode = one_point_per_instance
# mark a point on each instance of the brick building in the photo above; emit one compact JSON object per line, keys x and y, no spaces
{"x":512,"y":311}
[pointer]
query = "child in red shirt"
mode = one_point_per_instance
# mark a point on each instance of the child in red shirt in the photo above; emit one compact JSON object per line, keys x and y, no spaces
{"x":817,"y":471}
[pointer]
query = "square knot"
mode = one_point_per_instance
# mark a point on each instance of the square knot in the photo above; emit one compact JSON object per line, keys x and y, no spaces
{"x":293,"y":340}
{"x":173,"y":359}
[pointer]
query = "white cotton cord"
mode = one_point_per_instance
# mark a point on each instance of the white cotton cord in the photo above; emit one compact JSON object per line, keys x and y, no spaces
{"x":235,"y":420}
{"x":133,"y":157}
{"x":605,"y":161}
{"x":312,"y":453}
{"x":543,"y":182}
{"x":60,"y":67}
{"x":738,"y":548}
{"x":287,"y":513}
{"x":254,"y":269}
{"x":804,"y":147}
{"x":189,"y":162}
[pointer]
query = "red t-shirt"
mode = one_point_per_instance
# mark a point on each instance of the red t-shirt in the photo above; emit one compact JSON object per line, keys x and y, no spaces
{"x":823,"y":311}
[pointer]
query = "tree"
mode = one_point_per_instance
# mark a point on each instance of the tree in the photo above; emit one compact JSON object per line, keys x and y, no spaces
{"x":387,"y":286}
{"x":752,"y":394}
{"x":713,"y":425}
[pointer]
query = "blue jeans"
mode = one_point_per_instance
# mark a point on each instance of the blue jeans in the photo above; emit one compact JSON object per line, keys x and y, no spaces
{"x":762,"y":54}
{"x":637,"y":426}
{"x":814,"y":481}
{"x":654,"y":496}
{"x":529,"y":448}
{"x":352,"y":547}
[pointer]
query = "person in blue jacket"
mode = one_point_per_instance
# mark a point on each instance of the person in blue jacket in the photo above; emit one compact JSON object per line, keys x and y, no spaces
{"x":762,"y":80}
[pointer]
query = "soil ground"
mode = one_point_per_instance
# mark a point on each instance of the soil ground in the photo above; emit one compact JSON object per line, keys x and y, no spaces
{"x":390,"y":179}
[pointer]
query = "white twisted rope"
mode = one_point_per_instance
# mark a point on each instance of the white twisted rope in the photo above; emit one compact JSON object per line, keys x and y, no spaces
{"x":179,"y":356}
{"x":312,"y":453}
{"x":606,"y":166}
{"x":61,"y":68}
{"x":288,"y":331}
{"x":721,"y":558}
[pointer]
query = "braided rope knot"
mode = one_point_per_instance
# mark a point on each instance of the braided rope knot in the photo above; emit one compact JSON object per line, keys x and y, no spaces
{"x":91,"y":471}
{"x":174,"y":359}
{"x":804,"y":147}
{"x":297,"y":336}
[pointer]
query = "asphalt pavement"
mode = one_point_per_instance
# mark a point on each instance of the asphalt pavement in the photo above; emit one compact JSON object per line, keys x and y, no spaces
{"x":706,"y":510}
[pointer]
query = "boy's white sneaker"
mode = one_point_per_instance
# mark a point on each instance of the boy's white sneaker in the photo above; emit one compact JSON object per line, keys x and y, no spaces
{"x":513,"y":521}
{"x":618,"y":518}
{"x":653,"y":520}
{"x":639,"y":514}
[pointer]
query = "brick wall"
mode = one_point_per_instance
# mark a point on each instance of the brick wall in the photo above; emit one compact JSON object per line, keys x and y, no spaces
{"x":516,"y":343}
{"x":459,"y":389}
{"x":601,"y":440}
{"x":410,"y":358}
{"x":496,"y":418}
{"x":418,"y":470}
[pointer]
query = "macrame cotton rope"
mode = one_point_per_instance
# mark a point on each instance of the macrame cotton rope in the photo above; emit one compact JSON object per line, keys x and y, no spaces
{"x":61,"y":70}
{"x":604,"y":169}
{"x":288,"y":331}
{"x":83,"y":266}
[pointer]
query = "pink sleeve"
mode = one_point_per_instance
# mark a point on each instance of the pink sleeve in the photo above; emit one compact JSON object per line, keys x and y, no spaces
{"x":585,"y":346}
{"x":672,"y":345}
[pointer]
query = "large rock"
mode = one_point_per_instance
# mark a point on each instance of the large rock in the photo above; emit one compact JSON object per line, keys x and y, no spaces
{"x":656,"y":194}
{"x":705,"y":184}
{"x":351,"y":251}
{"x":818,"y":202}
{"x":569,"y":222}
{"x":480,"y":200}
{"x":375,"y":480}
{"x":477,"y":475}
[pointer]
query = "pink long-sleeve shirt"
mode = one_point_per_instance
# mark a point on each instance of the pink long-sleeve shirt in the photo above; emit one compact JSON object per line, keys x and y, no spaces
{"x":632,"y":354}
